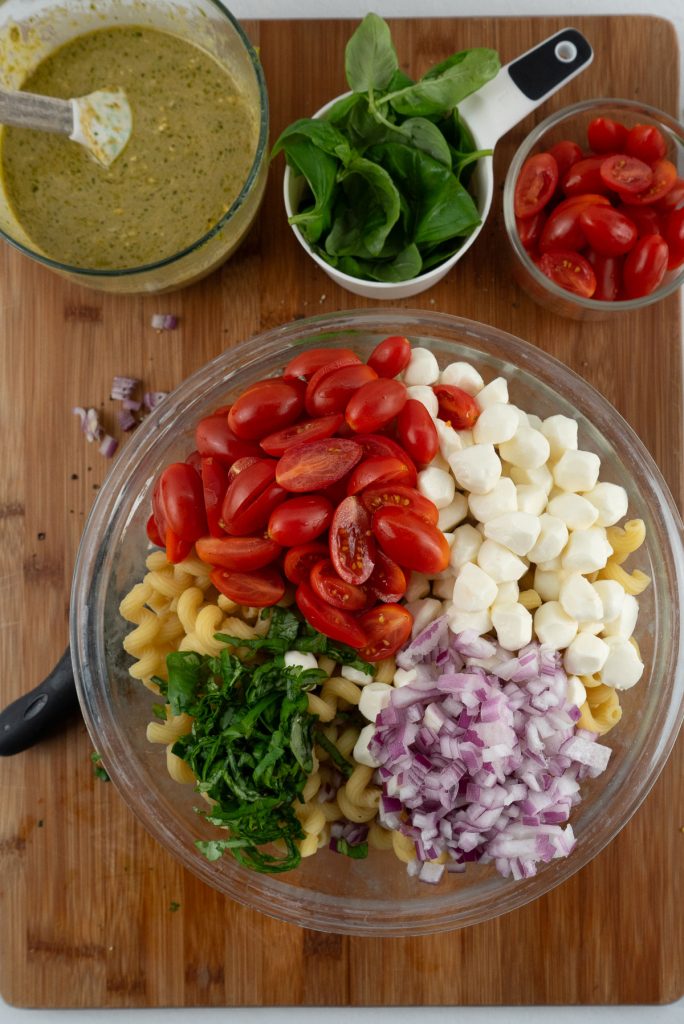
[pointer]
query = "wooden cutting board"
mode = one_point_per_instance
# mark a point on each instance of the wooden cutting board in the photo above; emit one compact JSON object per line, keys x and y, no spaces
{"x":93,"y":912}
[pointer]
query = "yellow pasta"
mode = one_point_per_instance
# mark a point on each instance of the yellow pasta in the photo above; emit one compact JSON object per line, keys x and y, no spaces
{"x":404,"y":847}
{"x":179,"y":770}
{"x":171,"y":730}
{"x":384,"y":670}
{"x":380,"y":838}
{"x":631,"y":582}
{"x":530,"y":599}
{"x":358,"y":789}
{"x":625,"y":540}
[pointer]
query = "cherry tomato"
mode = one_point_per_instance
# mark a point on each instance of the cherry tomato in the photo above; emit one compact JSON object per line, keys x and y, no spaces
{"x":352,"y":548}
{"x":562,"y":230}
{"x":530,"y":229}
{"x":242,"y":464}
{"x":300,"y":520}
{"x":646,"y":142}
{"x":569,"y":270}
{"x":260,"y":588}
{"x":158,"y":511}
{"x":606,"y":136}
{"x":626,"y":174}
{"x":332,"y":588}
{"x":390,"y":356}
{"x":608,"y":231}
{"x":300,"y":560}
{"x":535,"y":185}
{"x":387,"y":627}
{"x":378,"y":471}
{"x":456,"y":406}
{"x":410,"y":540}
{"x":305,"y":430}
{"x":674,"y":236}
{"x":566,"y":153}
{"x":399,"y":496}
{"x":177,"y":549}
{"x":181,"y":498}
{"x":333,"y":622}
{"x":214,"y":437}
{"x":664,"y":179}
{"x":319,"y":376}
{"x":153,"y":533}
{"x":240,"y":553}
{"x":645,"y":218}
{"x":335,"y":389}
{"x":584,"y":176}
{"x":608,"y":271}
{"x":265,"y":407}
{"x":375,"y":404}
{"x":387,"y":581}
{"x":194,"y":459}
{"x":306,"y":363}
{"x":645,"y":266}
{"x":673,"y":199}
{"x":314,"y":465}
{"x":214,"y":487}
{"x":378,"y":444}
{"x":417,"y":432}
{"x":251,"y":498}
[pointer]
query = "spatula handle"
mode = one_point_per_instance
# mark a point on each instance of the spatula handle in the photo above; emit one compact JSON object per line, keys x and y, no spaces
{"x":33,"y":716}
{"x":27,"y":110}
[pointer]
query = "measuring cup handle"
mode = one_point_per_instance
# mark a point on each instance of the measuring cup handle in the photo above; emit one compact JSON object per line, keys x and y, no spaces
{"x":524,"y":84}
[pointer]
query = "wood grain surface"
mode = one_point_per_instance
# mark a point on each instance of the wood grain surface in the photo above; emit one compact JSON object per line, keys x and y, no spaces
{"x":93,"y":912}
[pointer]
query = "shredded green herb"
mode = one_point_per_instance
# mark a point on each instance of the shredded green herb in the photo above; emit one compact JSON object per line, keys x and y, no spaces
{"x":99,"y":771}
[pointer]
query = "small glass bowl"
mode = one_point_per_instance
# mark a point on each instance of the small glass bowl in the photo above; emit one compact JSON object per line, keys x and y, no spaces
{"x":571,"y":123}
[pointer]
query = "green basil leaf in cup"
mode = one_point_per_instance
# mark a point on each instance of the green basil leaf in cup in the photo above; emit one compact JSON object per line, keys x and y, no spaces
{"x":338,"y":113}
{"x":370,"y":59}
{"x":320,"y":171}
{"x":403,"y":267}
{"x":321,"y":133}
{"x":442,"y":93}
{"x":373,"y":205}
{"x":428,"y":138}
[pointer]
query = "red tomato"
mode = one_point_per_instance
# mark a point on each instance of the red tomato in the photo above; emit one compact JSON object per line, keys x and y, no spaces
{"x":182,"y":501}
{"x":410,"y":540}
{"x":645,"y":218}
{"x":562,"y":230}
{"x":673,"y":199}
{"x":584,"y":176}
{"x":314,"y":465}
{"x":387,"y":582}
{"x":177,"y":549}
{"x":306,"y":363}
{"x":530,"y":229}
{"x":214,"y":437}
{"x":300,"y":520}
{"x":606,"y":136}
{"x":378,"y":471}
{"x":321,"y":373}
{"x":417,"y":432}
{"x":390,"y":356}
{"x":250,"y":499}
{"x":153,"y":533}
{"x":260,"y":588}
{"x":240,"y":465}
{"x":375,"y":404}
{"x":352,"y":548}
{"x":608,"y":231}
{"x":378,"y":444}
{"x":626,"y":174}
{"x":214,"y":487}
{"x":333,"y":622}
{"x":387,"y":627}
{"x":674,"y":236}
{"x":566,"y":153}
{"x":335,"y":389}
{"x":663,"y":181}
{"x":608,"y":271}
{"x":305,"y":430}
{"x":300,"y":560}
{"x":535,"y":185}
{"x":646,"y":142}
{"x":240,"y":553}
{"x":569,"y":270}
{"x":265,"y":407}
{"x":645,"y":266}
{"x":194,"y":459}
{"x":456,"y":406}
{"x":332,"y":588}
{"x":400,"y":496}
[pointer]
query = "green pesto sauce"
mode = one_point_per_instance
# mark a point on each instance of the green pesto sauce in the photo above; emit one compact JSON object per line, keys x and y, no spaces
{"x":193,"y":143}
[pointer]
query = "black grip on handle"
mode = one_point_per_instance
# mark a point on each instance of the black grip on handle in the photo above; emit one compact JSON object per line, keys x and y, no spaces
{"x":31,"y":717}
{"x":543,"y":69}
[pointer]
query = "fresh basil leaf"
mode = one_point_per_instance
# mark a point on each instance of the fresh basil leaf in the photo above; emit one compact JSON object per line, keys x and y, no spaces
{"x":403,"y":267}
{"x":426,"y":136}
{"x":372,"y":210}
{"x":370,"y":59}
{"x":185,"y":670}
{"x":324,"y":135}
{"x":320,"y":171}
{"x":436,"y":95}
{"x":339,"y":113}
{"x":359,"y":851}
{"x":448,"y":213}
{"x":437,"y":70}
{"x":365,"y":129}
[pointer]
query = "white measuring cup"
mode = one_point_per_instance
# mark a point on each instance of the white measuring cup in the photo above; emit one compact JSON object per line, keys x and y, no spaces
{"x":518,"y":89}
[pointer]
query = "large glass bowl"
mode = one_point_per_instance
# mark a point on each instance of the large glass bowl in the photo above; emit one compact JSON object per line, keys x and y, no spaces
{"x":329,"y":891}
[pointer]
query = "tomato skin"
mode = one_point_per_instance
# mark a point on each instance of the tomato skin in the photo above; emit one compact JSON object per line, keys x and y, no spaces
{"x":664,"y":178}
{"x":240,"y":513}
{"x":243,"y":554}
{"x":646,"y":142}
{"x":417,"y":432}
{"x":375,"y":404}
{"x":378,"y":444}
{"x":673,"y":199}
{"x":569,"y":270}
{"x":177,"y":549}
{"x":608,"y":231}
{"x":387,"y":627}
{"x":674,"y":236}
{"x":305,"y":430}
{"x":314,"y":465}
{"x":214,"y":437}
{"x":645,"y":218}
{"x":378,"y":471}
{"x":645,"y":266}
{"x":626,"y":174}
{"x":214,"y":487}
{"x":300,"y":560}
{"x":535,"y":185}
{"x":585,"y":176}
{"x":390,"y":356}
{"x":305,"y":364}
{"x":562,"y":230}
{"x":265,"y":407}
{"x":333,"y":622}
{"x":194,"y":459}
{"x":240,"y":465}
{"x":400,"y":496}
{"x":153,"y":534}
{"x":608,"y":272}
{"x":352,"y":548}
{"x":456,"y":406}
{"x":566,"y":153}
{"x":387,"y":582}
{"x":332,"y":588}
{"x":182,"y":500}
{"x":530,"y":229}
{"x":410,"y":541}
{"x":338,"y":363}
{"x":606,"y":136}
{"x":334,"y":391}
{"x":300,"y":520}
{"x":259,"y":588}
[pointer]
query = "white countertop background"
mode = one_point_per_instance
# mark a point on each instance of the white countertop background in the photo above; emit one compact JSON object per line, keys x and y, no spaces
{"x":673,"y":10}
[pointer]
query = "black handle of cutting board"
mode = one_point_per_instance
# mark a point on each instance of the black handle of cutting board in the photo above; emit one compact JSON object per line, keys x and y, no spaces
{"x":41,"y":711}
{"x":542,"y":70}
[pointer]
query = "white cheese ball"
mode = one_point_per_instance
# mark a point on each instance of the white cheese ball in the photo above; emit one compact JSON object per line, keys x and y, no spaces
{"x":425,"y":395}
{"x":374,"y":698}
{"x":467,"y":543}
{"x":611,"y":502}
{"x":361,"y":753}
{"x":540,"y":477}
{"x":579,"y":599}
{"x":437,"y":486}
{"x":443,"y":588}
{"x":496,"y":423}
{"x":507,"y":593}
{"x":517,"y":531}
{"x":460,"y":621}
{"x":476,"y":468}
{"x":585,"y":655}
{"x":502,"y":498}
{"x":586,"y":550}
{"x":612,"y":596}
{"x":527,"y":449}
{"x":623,"y":667}
{"x":466,"y":438}
{"x":423,"y":368}
{"x":449,"y":439}
{"x":576,"y":512}
{"x":453,"y":514}
{"x":499,"y":562}
{"x":474,"y":589}
{"x":551,"y":540}
{"x":561,"y":433}
{"x":405,"y":676}
{"x":300,"y":659}
{"x":576,"y":693}
{"x":547,"y":583}
{"x":530,"y":498}
{"x":576,"y":470}
{"x":424,"y":612}
{"x":554,"y":626}
{"x":494,"y":393}
{"x":623,"y":625}
{"x":355,"y":675}
{"x":464,"y":376}
{"x":513,"y":625}
{"x":418,"y":586}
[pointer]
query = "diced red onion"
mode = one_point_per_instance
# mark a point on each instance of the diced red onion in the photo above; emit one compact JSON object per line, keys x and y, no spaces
{"x":127,"y":420}
{"x":164,"y":322}
{"x":132,"y":404}
{"x":108,"y":446}
{"x":152,"y":399}
{"x":124,"y":387}
{"x":90,"y":423}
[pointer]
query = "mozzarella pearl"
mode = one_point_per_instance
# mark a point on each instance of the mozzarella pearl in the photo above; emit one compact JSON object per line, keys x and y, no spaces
{"x":494,"y":393}
{"x":474,"y":589}
{"x":576,"y":693}
{"x":374,"y":698}
{"x":576,"y":470}
{"x":612,"y":597}
{"x":611,"y":502}
{"x":554,"y":626}
{"x":437,"y":486}
{"x":467,"y":543}
{"x":502,"y":498}
{"x":585,"y":655}
{"x":586,"y":550}
{"x":499,"y":562}
{"x":513,"y":625}
{"x":460,"y":621}
{"x":496,"y":423}
{"x":579,"y":599}
{"x":423,"y":612}
{"x":530,"y":498}
{"x":623,"y":667}
{"x":418,"y":586}
{"x":576,"y":512}
{"x":540,"y":477}
{"x":527,"y":449}
{"x":405,"y":676}
{"x":515,"y":530}
{"x":476,"y":468}
{"x":449,"y":440}
{"x":361,"y":752}
{"x":507,"y":593}
{"x":561,"y":433}
{"x":355,"y":675}
{"x":552,"y":538}
{"x":464,"y":376}
{"x":300,"y":659}
{"x":423,"y":368}
{"x":425,"y":395}
{"x":623,"y":625}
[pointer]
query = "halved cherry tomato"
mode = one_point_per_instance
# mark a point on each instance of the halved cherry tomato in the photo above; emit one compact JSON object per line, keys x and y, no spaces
{"x":417,"y":432}
{"x":375,"y":404}
{"x":535,"y":185}
{"x":249,"y":495}
{"x":335,"y":389}
{"x":646,"y":142}
{"x":177,"y":549}
{"x":608,"y":231}
{"x":300,"y":520}
{"x":182,"y":500}
{"x":333,"y":622}
{"x":314,"y":465}
{"x":645,"y":266}
{"x":530,"y":229}
{"x":608,"y":271}
{"x":606,"y":136}
{"x":194,"y":459}
{"x":674,"y":236}
{"x":400,"y":496}
{"x":390,"y":356}
{"x":338,"y":363}
{"x":584,"y":176}
{"x":332,"y":588}
{"x":410,"y":540}
{"x":562,"y":230}
{"x":305,"y":430}
{"x":626,"y":174}
{"x":456,"y":406}
{"x":387,"y":627}
{"x":673,"y":199}
{"x":240,"y":553}
{"x":214,"y":487}
{"x":569,"y":270}
{"x":214,"y":437}
{"x":664,"y":179}
{"x":566,"y":153}
{"x":153,"y":533}
{"x":352,"y":548}
{"x":300,"y":560}
{"x":305,"y":364}
{"x":240,"y":465}
{"x":388,"y":581}
{"x":260,"y":588}
{"x":265,"y":407}
{"x":378,"y":471}
{"x":379,"y":444}
{"x":645,"y":218}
